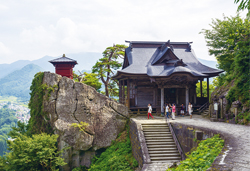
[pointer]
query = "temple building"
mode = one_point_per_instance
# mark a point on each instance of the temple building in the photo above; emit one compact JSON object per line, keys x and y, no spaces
{"x":159,"y":73}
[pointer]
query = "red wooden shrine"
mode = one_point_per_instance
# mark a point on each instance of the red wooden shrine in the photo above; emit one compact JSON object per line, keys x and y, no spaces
{"x":64,"y":66}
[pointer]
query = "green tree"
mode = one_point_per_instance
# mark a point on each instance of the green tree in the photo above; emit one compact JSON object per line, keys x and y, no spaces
{"x":244,"y":4}
{"x":90,"y":79}
{"x":229,"y":42}
{"x":204,"y":89}
{"x":106,"y":67}
{"x":38,"y":152}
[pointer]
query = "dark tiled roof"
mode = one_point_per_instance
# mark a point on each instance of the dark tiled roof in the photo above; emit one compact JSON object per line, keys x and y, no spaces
{"x":62,"y":60}
{"x":154,"y":59}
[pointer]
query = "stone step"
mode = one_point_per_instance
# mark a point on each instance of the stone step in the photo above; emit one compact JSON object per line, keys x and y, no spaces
{"x":165,"y":161}
{"x":165,"y":158}
{"x":157,"y":130}
{"x":161,"y":146}
{"x":162,"y":152}
{"x":155,"y":127}
{"x":158,"y":135}
{"x":165,"y":155}
{"x":158,"y":138}
{"x":161,"y":143}
{"x":163,"y":149}
{"x":154,"y":123}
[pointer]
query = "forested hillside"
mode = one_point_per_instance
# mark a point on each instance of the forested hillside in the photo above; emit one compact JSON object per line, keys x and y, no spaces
{"x":7,"y":121}
{"x":18,"y":82}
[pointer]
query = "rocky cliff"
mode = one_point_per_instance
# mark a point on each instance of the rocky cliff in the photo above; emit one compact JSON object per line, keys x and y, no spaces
{"x":234,"y":112}
{"x":66,"y":102}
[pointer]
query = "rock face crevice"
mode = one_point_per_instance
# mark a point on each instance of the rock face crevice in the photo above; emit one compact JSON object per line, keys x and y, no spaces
{"x":74,"y":102}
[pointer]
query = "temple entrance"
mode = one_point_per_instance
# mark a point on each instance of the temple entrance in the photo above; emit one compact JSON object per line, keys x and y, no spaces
{"x":170,"y":95}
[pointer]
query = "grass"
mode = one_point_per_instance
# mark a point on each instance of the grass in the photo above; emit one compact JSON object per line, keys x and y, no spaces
{"x":203,"y":157}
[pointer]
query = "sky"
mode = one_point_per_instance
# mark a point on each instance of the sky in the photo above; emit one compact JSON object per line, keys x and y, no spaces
{"x":31,"y":29}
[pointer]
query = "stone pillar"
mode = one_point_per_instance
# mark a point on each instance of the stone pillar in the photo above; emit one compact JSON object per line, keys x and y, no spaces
{"x":221,"y":108}
{"x":177,"y":98}
{"x":162,"y":100}
{"x":187,"y":97}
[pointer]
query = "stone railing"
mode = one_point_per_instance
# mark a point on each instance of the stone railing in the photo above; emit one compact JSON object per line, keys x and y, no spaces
{"x":183,"y":157}
{"x":138,"y":143}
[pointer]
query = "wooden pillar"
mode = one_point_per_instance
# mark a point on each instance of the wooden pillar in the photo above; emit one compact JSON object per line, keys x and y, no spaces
{"x":195,"y":95}
{"x":177,"y":96}
{"x":128,"y":93}
{"x":201,"y":87}
{"x":207,"y":89}
{"x":120,"y":91}
{"x":154,"y":96}
{"x":162,"y":100}
{"x":123,"y":92}
{"x":187,"y":97}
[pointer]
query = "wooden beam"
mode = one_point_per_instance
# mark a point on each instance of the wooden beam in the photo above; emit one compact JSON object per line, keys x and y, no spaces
{"x":162,"y":100}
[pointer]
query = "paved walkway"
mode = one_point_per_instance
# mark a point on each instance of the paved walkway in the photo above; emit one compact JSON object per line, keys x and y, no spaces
{"x":237,"y":157}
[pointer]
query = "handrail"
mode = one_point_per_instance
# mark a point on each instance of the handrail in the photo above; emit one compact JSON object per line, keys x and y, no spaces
{"x":203,"y":107}
{"x":183,"y":156}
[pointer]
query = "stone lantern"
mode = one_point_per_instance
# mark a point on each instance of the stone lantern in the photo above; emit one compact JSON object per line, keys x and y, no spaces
{"x":64,"y":66}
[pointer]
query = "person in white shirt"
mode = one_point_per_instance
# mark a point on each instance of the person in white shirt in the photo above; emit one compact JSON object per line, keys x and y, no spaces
{"x":167,"y":110}
{"x":190,"y":110}
{"x":150,"y":111}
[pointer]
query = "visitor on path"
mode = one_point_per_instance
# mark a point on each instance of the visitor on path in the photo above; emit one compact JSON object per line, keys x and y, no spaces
{"x":173,"y":111}
{"x":168,"y":110}
{"x":190,"y":110}
{"x":150,"y":111}
{"x":182,"y":109}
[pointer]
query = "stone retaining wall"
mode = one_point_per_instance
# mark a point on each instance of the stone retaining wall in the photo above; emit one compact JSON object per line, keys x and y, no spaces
{"x":187,"y":136}
{"x":139,"y":147}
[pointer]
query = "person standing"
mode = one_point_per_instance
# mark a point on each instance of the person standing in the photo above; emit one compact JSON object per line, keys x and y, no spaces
{"x":173,"y":111}
{"x":190,"y":110}
{"x":182,"y":110}
{"x":150,"y":111}
{"x":167,"y":110}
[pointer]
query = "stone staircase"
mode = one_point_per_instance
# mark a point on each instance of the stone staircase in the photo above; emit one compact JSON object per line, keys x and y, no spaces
{"x":160,"y":143}
{"x":205,"y":113}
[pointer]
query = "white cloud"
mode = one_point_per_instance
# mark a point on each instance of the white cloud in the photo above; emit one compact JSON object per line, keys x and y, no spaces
{"x":4,"y":50}
{"x":32,"y":29}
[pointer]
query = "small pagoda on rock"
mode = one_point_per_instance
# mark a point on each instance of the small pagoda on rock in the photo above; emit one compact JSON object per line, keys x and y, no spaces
{"x":64,"y":66}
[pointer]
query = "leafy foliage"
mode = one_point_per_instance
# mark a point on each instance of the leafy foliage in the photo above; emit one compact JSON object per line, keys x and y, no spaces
{"x":116,"y":157}
{"x":18,"y":82}
{"x":203,"y":156}
{"x":82,"y":125}
{"x":244,"y":4}
{"x":89,"y":79}
{"x":38,"y":152}
{"x":204,"y":89}
{"x":7,"y":120}
{"x":229,"y":41}
{"x":37,"y":123}
{"x":105,"y":67}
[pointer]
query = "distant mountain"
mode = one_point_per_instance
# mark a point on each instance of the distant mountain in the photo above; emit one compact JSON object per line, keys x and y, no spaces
{"x":85,"y":61}
{"x":212,"y":64}
{"x":18,"y":82}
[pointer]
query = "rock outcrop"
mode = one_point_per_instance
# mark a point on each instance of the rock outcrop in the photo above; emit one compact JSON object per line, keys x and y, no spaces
{"x":74,"y":102}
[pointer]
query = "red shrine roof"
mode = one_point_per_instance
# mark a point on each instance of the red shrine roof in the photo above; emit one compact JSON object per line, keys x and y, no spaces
{"x":63,"y":59}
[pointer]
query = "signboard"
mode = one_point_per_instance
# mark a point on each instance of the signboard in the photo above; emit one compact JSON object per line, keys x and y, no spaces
{"x":215,"y":106}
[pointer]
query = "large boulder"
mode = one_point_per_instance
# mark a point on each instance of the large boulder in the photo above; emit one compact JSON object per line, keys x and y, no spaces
{"x":67,"y":102}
